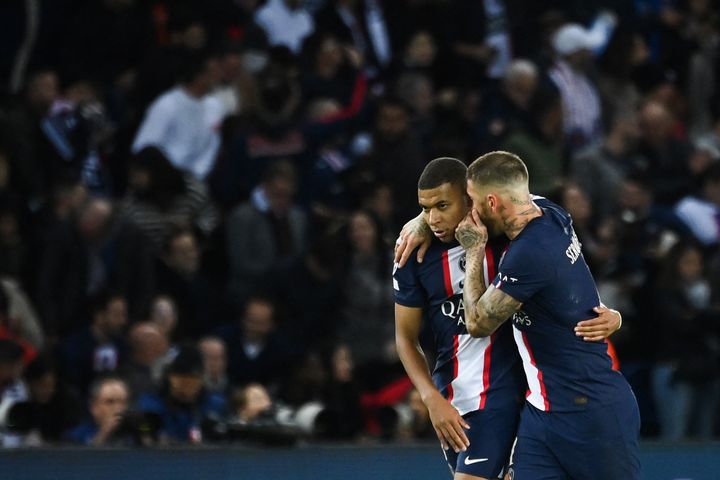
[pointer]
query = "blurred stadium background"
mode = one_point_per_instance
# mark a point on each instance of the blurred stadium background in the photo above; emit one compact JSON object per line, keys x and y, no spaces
{"x":198,"y":202}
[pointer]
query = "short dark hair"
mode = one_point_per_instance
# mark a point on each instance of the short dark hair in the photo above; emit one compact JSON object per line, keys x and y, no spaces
{"x":443,"y":170}
{"x":497,"y":168}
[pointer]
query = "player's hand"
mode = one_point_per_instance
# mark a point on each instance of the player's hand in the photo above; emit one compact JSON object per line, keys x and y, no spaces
{"x":414,"y":234}
{"x":448,"y":424}
{"x":600,"y":328}
{"x":471,"y":232}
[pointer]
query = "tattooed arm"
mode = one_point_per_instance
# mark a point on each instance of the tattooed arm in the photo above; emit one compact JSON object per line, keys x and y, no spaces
{"x":415,"y":234}
{"x":485,"y":309}
{"x":472,"y":235}
{"x":490,"y":311}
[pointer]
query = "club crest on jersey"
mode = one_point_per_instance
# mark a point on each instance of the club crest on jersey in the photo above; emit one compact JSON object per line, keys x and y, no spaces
{"x":462,"y":262}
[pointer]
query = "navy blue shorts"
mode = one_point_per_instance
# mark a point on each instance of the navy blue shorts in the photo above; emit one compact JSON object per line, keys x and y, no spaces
{"x":597,"y":443}
{"x":491,"y":436}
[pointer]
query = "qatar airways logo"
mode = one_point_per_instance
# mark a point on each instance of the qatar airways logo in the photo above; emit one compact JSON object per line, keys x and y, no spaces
{"x":454,"y":309}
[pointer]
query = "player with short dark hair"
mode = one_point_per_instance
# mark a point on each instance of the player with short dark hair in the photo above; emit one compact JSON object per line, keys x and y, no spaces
{"x":581,"y":419}
{"x":476,"y":383}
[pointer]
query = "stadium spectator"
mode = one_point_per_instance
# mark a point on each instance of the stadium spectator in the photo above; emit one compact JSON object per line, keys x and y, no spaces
{"x":148,"y":349}
{"x":98,"y":347}
{"x":660,"y":156}
{"x":361,"y":24}
{"x":55,"y":406}
{"x":701,"y":212}
{"x":600,"y":169}
{"x":161,"y":197}
{"x":90,"y":251}
{"x":184,"y":121}
{"x":183,"y":404}
{"x":509,"y":109}
{"x":686,"y":379}
{"x":16,"y":327}
{"x":265,"y":233}
{"x":257,"y":349}
{"x":395,"y":153}
{"x":540,"y":144}
{"x":367,"y":310}
{"x":582,"y":109}
{"x":163,"y":313}
{"x":286,"y":23}
{"x":179,"y":277}
{"x":215,"y":363}
{"x":109,"y":400}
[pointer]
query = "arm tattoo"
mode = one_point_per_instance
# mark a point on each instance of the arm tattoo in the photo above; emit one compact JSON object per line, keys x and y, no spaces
{"x":493,"y":309}
{"x":470,"y":238}
{"x":420,"y":228}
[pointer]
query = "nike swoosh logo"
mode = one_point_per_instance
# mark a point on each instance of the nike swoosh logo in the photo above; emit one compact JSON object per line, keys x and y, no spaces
{"x":469,"y":461}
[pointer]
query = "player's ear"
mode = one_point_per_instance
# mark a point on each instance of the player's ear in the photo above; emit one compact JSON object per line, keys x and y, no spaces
{"x":492,"y":201}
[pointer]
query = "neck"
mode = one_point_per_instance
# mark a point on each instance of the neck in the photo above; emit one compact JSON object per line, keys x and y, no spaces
{"x":516,"y":212}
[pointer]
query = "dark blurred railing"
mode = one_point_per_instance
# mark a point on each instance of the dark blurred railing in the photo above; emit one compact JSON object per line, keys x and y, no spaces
{"x":687,"y":461}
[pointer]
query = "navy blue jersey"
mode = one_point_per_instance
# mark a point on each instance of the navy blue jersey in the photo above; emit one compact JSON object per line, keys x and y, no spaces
{"x":472,"y":373}
{"x":544,"y":269}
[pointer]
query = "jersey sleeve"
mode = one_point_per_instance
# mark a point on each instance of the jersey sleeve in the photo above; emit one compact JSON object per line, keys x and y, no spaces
{"x":408,"y":290}
{"x":526,"y":269}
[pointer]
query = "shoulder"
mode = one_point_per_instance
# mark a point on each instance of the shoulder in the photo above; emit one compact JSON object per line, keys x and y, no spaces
{"x":691,"y":205}
{"x":82,"y":433}
{"x":149,"y":402}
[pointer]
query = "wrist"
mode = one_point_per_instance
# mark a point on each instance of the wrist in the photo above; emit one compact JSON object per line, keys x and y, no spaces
{"x":430,"y":396}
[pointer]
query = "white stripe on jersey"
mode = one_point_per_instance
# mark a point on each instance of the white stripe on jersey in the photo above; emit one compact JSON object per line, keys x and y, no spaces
{"x":456,"y":258}
{"x":533,"y":375}
{"x":468,"y":385}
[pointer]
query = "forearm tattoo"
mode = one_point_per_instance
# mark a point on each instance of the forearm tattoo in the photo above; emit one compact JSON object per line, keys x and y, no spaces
{"x":494,"y":308}
{"x":420,"y":228}
{"x":474,"y":286}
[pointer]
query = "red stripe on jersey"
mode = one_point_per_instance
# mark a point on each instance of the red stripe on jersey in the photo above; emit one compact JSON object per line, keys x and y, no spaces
{"x":613,"y":355}
{"x":455,"y":368}
{"x":446,"y":275}
{"x":486,"y":369}
{"x":543,"y":393}
{"x":490,"y":264}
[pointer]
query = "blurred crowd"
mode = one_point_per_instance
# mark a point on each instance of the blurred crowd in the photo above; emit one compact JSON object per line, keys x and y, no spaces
{"x":199,"y":199}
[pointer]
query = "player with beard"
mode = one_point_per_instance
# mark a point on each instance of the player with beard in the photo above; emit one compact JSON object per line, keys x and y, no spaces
{"x":475,"y":392}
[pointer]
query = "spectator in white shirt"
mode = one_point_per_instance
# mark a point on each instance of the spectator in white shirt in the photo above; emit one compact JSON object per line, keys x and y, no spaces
{"x":582,"y":112}
{"x":286,"y":23}
{"x":701,"y":213}
{"x":184,"y":122}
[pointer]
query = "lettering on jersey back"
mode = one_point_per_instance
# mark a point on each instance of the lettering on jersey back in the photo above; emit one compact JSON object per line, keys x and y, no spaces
{"x":575,"y":249}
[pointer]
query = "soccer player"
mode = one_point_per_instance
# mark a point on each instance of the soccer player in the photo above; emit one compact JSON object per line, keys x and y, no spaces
{"x":581,"y":419}
{"x":474,"y":395}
